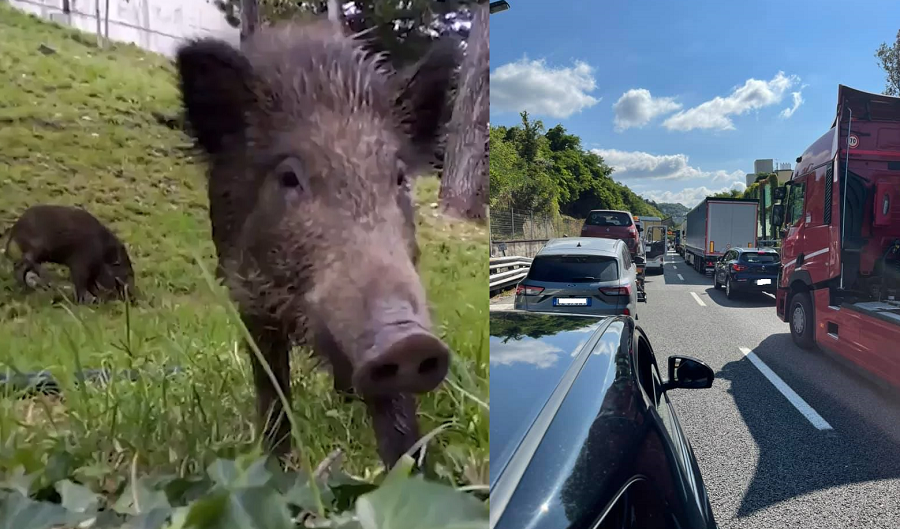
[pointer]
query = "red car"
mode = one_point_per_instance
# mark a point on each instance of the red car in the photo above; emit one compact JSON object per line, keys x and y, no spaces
{"x":612,"y":224}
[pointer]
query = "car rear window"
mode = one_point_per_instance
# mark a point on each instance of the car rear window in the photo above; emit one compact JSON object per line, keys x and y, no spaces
{"x":763,"y":258}
{"x":608,"y":218}
{"x":573,"y":269}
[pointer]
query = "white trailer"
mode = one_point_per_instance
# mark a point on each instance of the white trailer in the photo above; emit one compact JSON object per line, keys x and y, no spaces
{"x":715,"y":226}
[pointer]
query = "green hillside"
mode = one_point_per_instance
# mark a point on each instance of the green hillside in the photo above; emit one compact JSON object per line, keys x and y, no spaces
{"x":78,"y":128}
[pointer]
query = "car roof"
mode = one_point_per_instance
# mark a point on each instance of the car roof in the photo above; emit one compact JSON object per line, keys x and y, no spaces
{"x":581,"y":245}
{"x":611,"y":211}
{"x":756,"y":250}
{"x":528,"y":350}
{"x":554,"y":378}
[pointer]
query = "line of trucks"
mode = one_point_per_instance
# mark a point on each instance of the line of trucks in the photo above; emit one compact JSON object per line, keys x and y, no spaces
{"x":839,"y":217}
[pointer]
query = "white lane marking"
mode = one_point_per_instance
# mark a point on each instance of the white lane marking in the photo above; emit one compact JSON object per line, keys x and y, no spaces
{"x":674,"y":267}
{"x":814,"y":418}
{"x":501,"y":306}
{"x":680,"y":277}
{"x":698,"y":300}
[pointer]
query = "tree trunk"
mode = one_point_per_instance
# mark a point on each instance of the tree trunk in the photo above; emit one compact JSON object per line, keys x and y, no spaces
{"x":464,"y":182}
{"x":99,"y":22}
{"x":334,"y":12}
{"x":106,"y":21}
{"x":249,"y":18}
{"x":66,"y":7}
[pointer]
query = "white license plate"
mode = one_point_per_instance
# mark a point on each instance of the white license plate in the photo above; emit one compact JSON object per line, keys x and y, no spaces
{"x":763,"y":281}
{"x":576,"y":302}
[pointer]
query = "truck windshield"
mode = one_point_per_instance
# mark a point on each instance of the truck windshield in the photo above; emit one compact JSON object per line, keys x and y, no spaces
{"x":760,"y":258}
{"x":608,"y":218}
{"x":574,"y":268}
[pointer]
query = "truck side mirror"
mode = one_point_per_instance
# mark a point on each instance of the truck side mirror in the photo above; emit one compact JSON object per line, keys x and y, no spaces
{"x":779,"y":193}
{"x":777,"y":215}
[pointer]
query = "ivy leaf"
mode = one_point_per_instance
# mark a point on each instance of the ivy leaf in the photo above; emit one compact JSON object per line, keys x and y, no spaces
{"x":20,"y":512}
{"x":139,"y":498}
{"x":404,"y":502}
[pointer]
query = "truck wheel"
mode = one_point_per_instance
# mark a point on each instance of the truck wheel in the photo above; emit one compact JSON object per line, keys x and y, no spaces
{"x":802,"y":322}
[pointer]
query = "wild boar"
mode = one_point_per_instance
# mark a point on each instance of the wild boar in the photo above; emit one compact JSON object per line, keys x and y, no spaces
{"x":97,"y":260}
{"x":310,"y":143}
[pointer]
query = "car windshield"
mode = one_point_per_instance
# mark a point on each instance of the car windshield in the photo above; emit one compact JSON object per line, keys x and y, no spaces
{"x":573,"y":268}
{"x":764,"y":258}
{"x":608,"y":218}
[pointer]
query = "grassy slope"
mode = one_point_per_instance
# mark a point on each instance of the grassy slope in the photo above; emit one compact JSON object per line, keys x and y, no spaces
{"x":76,"y":128}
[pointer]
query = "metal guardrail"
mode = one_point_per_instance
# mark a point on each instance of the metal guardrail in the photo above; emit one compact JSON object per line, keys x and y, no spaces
{"x":508,"y":271}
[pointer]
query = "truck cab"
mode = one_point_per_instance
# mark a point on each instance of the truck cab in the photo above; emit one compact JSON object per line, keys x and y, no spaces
{"x":839,"y":286}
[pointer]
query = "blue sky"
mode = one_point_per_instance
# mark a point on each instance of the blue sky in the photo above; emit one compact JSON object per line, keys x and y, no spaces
{"x":702,"y":91}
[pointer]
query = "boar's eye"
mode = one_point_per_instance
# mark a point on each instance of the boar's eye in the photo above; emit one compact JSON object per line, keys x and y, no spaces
{"x":401,"y":176}
{"x":290,"y":174}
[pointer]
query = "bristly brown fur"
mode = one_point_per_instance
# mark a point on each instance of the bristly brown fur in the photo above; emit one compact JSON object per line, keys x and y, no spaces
{"x":311,"y":261}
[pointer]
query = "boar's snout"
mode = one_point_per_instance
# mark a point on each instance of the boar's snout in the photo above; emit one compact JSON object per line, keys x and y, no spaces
{"x":404,"y":358}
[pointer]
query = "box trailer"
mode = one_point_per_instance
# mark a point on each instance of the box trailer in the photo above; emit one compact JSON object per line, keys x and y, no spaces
{"x":715,"y":226}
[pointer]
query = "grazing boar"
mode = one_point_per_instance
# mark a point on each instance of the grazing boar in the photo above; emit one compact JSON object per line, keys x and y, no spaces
{"x":310,"y":145}
{"x":97,"y":260}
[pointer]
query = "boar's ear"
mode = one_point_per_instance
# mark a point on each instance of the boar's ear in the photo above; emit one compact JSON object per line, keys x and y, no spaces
{"x":425,"y":91}
{"x":215,"y":83}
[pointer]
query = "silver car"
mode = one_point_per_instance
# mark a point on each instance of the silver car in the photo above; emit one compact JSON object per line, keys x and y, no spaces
{"x":582,"y":275}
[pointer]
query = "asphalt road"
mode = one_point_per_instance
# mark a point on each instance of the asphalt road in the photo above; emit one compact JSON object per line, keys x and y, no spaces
{"x":823,"y":451}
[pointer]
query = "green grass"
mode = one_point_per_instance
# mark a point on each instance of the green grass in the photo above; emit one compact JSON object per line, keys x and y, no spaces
{"x":76,"y":127}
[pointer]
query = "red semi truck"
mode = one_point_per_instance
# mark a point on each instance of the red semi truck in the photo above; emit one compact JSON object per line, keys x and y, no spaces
{"x":839,"y":286}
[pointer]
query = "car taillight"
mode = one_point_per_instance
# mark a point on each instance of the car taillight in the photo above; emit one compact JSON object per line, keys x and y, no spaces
{"x":738,"y":268}
{"x":626,"y":312}
{"x":616,"y":291}
{"x":528,"y":291}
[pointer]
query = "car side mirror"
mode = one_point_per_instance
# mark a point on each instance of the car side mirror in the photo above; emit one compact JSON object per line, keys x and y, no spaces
{"x":688,"y":373}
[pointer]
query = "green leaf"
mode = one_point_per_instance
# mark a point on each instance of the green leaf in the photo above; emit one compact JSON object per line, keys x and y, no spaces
{"x":230,"y":475}
{"x":153,"y":519}
{"x":413,"y":503}
{"x":19,"y":481}
{"x":139,"y":498}
{"x":249,"y":508}
{"x":77,"y":498}
{"x":20,"y":512}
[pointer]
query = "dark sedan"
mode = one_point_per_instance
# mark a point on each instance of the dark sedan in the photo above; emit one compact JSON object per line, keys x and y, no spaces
{"x":583,"y":434}
{"x":747,"y":270}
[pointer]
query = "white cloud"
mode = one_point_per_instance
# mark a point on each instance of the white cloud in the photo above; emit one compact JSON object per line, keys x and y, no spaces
{"x":691,"y":196}
{"x":539,"y":89}
{"x":634,"y":165}
{"x":541,"y":355}
{"x":714,"y":114}
{"x":798,"y":100}
{"x":637,"y":107}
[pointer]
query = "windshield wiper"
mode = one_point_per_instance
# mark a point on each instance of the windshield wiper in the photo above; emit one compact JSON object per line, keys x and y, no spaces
{"x":590,"y":278}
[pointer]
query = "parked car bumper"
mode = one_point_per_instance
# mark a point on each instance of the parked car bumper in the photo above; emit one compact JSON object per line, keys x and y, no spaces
{"x":755,"y":283}
{"x":596,"y":310}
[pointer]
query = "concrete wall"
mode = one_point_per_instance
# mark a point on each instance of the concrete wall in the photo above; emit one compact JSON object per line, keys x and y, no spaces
{"x":519,"y":248}
{"x":155,"y":25}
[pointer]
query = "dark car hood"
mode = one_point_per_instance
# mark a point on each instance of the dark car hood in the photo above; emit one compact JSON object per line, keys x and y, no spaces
{"x":530,"y":352}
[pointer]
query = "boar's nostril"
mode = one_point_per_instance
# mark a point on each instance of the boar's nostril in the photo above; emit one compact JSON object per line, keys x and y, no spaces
{"x":384,"y":372}
{"x":428,"y":365}
{"x":404,"y":359}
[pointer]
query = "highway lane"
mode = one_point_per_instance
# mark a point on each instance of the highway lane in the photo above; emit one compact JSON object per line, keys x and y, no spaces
{"x":766,"y":463}
{"x":821,"y":452}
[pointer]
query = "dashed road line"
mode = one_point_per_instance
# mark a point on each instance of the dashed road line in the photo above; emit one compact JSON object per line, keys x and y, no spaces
{"x":698,"y":300}
{"x":681,"y":277}
{"x":814,"y":418}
